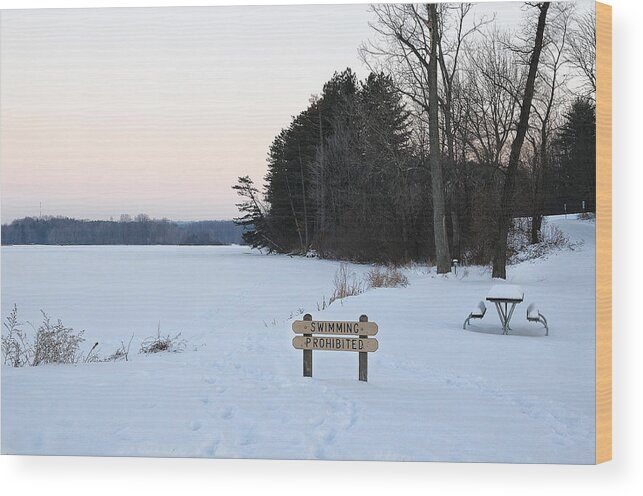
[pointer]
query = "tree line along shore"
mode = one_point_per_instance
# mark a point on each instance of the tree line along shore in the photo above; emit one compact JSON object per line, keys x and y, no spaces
{"x":140,"y":230}
{"x":462,"y":125}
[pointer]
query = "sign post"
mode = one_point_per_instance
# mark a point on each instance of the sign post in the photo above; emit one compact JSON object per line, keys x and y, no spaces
{"x":363,"y":357}
{"x":308,"y":354}
{"x":323,"y":335}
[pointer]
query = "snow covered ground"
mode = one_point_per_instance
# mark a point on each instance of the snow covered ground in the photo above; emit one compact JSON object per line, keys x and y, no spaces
{"x":435,"y":391}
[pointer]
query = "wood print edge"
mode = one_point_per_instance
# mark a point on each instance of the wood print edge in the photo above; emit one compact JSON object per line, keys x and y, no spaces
{"x":603,"y":233}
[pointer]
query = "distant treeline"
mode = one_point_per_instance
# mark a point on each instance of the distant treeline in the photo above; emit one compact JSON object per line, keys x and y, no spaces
{"x":138,"y":231}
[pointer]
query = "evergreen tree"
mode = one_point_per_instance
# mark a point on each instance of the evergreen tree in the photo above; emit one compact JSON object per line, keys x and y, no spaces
{"x":339,"y":174}
{"x":389,"y":175}
{"x":290,"y":192}
{"x":576,"y":150}
{"x":256,"y":232}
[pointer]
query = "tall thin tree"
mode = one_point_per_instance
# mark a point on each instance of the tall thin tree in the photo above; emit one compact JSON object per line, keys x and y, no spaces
{"x":437,"y":185}
{"x":505,"y":209}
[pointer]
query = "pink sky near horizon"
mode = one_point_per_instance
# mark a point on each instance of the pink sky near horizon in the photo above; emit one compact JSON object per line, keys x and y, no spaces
{"x":158,"y":110}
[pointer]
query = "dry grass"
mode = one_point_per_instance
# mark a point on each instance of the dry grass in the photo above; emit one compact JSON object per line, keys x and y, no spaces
{"x":53,"y":343}
{"x":386,"y":277}
{"x":121,"y":353}
{"x":158,"y":343}
{"x":56,"y":343}
{"x":16,"y":350}
{"x":346,"y":284}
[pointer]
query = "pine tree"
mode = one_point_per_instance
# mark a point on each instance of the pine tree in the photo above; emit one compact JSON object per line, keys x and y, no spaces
{"x":256,"y":231}
{"x":291,"y":193}
{"x":576,"y":148}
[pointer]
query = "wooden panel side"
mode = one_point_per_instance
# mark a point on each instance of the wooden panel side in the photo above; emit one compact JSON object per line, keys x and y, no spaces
{"x":603,"y":232}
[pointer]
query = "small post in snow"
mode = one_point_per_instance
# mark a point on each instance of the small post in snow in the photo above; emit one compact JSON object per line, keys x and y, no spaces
{"x":363,"y":357}
{"x":308,"y":354}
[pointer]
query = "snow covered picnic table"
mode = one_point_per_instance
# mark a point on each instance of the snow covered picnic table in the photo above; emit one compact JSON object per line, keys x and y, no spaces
{"x":505,"y":297}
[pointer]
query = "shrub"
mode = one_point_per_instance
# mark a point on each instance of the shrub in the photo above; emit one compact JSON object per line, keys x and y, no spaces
{"x":322,"y":305}
{"x":591,"y":216}
{"x":16,"y":349}
{"x":158,"y":343}
{"x":386,"y":277}
{"x":346,"y":284}
{"x":121,"y":353}
{"x":551,"y":239}
{"x":56,"y":343}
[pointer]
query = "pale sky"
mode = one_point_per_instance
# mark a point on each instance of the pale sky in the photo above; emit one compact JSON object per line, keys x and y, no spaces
{"x":158,"y":110}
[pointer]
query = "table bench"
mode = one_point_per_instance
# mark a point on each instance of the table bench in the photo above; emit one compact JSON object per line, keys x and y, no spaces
{"x":505,"y":297}
{"x":477,"y":313}
{"x":534,"y":315}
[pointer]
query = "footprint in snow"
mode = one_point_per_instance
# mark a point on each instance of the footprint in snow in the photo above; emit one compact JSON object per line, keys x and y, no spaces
{"x":330,"y":436}
{"x":210,"y":449}
{"x":249,"y":438}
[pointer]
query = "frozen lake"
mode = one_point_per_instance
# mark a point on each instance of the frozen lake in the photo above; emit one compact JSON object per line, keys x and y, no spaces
{"x":435,"y":391}
{"x":114,"y":291}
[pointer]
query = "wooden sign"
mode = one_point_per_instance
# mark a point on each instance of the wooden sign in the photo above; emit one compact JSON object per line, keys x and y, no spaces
{"x":363,"y":345}
{"x":334,"y":327}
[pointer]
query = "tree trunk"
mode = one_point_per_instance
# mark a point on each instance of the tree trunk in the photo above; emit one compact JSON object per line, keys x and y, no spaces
{"x":294,"y":213}
{"x":437,"y":186}
{"x":322,"y":181}
{"x":303,"y":196}
{"x":539,"y":190}
{"x":536,"y":225}
{"x":506,"y":199}
{"x":455,"y":227}
{"x":453,"y":175}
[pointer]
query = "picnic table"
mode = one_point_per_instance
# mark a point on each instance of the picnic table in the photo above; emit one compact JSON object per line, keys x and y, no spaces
{"x":505,"y":297}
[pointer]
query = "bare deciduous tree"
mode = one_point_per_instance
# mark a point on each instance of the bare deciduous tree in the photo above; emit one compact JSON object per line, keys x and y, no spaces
{"x":493,"y":81}
{"x":408,"y":49}
{"x":551,"y":82}
{"x":453,"y":32}
{"x":582,"y":51}
{"x":505,"y":210}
